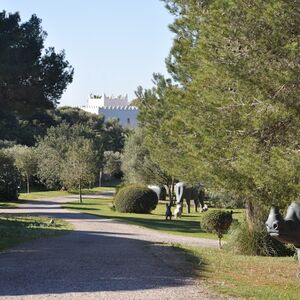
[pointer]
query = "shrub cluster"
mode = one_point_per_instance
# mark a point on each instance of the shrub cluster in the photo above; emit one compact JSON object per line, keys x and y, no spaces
{"x":256,"y":242}
{"x":217,"y":221}
{"x":135,"y":199}
{"x":9,"y":178}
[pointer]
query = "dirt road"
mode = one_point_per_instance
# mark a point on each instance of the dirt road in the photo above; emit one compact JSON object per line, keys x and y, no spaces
{"x":100,"y":259}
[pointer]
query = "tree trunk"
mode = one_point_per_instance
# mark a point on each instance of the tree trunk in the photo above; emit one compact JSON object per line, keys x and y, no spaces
{"x":172,"y":189}
{"x":220,"y":244}
{"x":80,"y":194}
{"x":100,"y":178}
{"x":250,"y":215}
{"x":27,"y":181}
{"x":170,"y":195}
{"x":171,"y":192}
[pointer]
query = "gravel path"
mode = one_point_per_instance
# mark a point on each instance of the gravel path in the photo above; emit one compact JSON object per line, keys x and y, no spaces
{"x":100,"y":259}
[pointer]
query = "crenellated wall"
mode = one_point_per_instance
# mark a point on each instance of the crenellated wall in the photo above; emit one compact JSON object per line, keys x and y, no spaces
{"x":104,"y":100}
{"x":126,"y":115}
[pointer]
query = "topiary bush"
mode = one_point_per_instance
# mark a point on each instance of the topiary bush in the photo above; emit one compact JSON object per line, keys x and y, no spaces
{"x":135,"y":199}
{"x":217,"y":221}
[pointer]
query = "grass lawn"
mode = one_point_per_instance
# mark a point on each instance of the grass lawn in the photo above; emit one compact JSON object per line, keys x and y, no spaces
{"x":188,"y":225}
{"x":8,"y":205}
{"x":96,"y":190}
{"x":48,"y":194}
{"x":250,"y":277}
{"x":18,"y":229}
{"x":42,"y":194}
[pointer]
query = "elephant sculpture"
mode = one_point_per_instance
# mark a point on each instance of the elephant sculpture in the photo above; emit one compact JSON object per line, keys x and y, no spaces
{"x":286,"y":230}
{"x":160,"y":191}
{"x":196,"y":193}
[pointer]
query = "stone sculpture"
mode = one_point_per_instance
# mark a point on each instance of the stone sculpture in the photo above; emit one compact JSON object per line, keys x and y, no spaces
{"x":159,"y":190}
{"x":196,"y":193}
{"x":286,"y":230}
{"x":178,"y":210}
{"x":168,"y":212}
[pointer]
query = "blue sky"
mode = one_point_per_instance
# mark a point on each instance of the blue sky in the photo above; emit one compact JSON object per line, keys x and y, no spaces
{"x":114,"y":45}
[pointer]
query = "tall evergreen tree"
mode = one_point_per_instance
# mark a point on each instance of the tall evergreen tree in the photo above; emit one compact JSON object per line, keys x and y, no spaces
{"x":29,"y":79}
{"x":233,"y":119}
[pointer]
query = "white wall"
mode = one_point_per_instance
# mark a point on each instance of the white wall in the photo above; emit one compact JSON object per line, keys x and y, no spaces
{"x":95,"y":102}
{"x":107,"y":101}
{"x":127,"y":116}
{"x":90,"y":109}
{"x":113,"y":108}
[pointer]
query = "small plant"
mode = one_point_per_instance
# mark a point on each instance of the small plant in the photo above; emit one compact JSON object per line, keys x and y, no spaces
{"x":135,"y":199}
{"x":217,"y":221}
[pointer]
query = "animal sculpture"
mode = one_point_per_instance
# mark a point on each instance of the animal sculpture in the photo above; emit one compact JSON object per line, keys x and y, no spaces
{"x":286,"y":230}
{"x":196,"y":193}
{"x":159,"y":190}
{"x":178,"y":210}
{"x":168,"y":212}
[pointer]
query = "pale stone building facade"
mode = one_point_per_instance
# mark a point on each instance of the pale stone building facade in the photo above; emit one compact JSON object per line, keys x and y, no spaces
{"x":113,"y":107}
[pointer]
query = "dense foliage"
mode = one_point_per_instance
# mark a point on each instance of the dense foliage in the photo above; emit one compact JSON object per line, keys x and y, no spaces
{"x":139,"y":167}
{"x":9,"y":177}
{"x":135,"y":199}
{"x":31,"y":78}
{"x":230,"y":117}
{"x":59,"y":145}
{"x":26,"y":162}
{"x":112,"y":164}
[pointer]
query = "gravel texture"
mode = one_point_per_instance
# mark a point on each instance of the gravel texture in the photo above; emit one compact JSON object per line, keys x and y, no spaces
{"x":100,"y":259}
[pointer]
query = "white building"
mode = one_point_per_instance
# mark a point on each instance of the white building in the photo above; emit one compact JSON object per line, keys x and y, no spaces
{"x":113,"y":107}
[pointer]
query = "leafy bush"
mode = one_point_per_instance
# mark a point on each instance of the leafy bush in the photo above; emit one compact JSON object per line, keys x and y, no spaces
{"x":135,"y":199}
{"x":9,"y":177}
{"x":120,"y":186}
{"x":256,"y":242}
{"x":217,"y":221}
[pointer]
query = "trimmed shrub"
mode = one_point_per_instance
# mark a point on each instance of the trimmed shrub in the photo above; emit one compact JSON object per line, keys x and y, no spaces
{"x":135,"y":199}
{"x":9,"y":178}
{"x":256,"y":242}
{"x":217,"y":221}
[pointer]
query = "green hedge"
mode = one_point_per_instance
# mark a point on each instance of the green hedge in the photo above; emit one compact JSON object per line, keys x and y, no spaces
{"x":135,"y":199}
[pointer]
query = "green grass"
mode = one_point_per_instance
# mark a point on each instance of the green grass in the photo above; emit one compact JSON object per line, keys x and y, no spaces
{"x":188,"y":225}
{"x":49,"y":194}
{"x":249,"y":277}
{"x":18,"y":229}
{"x":42,"y":194}
{"x":8,"y":205}
{"x":95,"y":190}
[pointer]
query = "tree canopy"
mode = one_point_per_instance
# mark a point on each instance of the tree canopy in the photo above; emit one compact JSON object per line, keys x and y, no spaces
{"x":31,"y":78}
{"x":230,"y":119}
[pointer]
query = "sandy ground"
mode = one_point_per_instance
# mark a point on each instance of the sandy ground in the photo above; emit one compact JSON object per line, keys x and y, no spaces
{"x":100,"y":259}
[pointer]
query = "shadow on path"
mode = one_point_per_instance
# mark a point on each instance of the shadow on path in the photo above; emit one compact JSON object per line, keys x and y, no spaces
{"x":88,"y":261}
{"x":99,"y":255}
